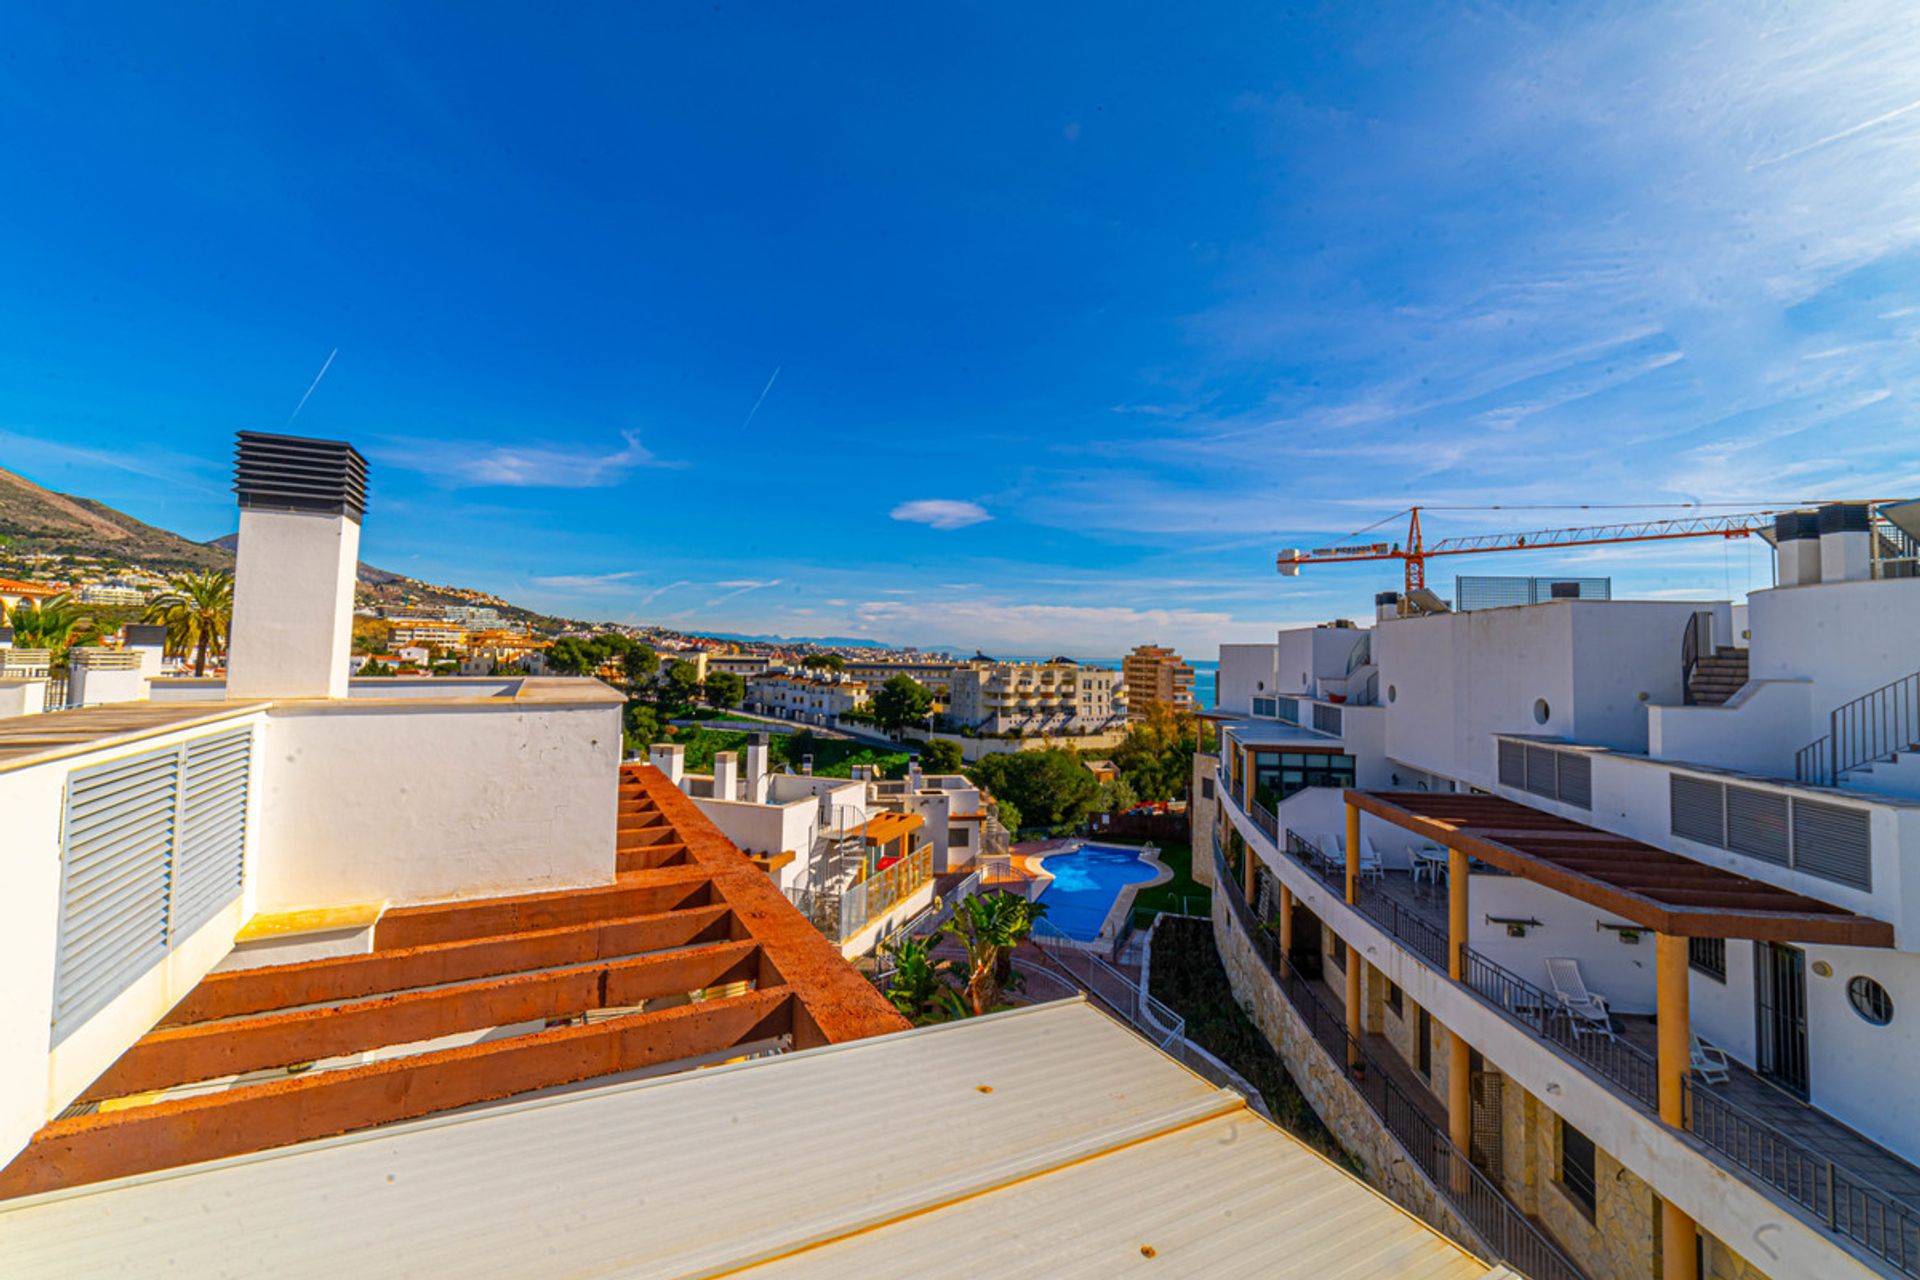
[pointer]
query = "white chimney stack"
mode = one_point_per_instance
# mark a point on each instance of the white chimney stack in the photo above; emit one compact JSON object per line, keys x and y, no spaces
{"x":670,"y":759}
{"x":301,"y":502}
{"x":1386,"y":606}
{"x":1846,"y":537}
{"x":1796,"y":548}
{"x":725,"y":775}
{"x":98,"y":676}
{"x":757,"y":769}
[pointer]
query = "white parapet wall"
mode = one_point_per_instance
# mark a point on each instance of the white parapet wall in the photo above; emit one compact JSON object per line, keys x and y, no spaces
{"x":419,"y":799}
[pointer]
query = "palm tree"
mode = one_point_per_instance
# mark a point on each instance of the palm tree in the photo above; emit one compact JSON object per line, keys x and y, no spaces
{"x":990,"y":926}
{"x":197,"y":609}
{"x":918,"y":987}
{"x":52,"y":625}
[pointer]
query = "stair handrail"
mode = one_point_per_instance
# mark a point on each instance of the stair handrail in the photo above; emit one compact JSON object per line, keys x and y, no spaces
{"x":1690,"y":645}
{"x":1876,"y":726}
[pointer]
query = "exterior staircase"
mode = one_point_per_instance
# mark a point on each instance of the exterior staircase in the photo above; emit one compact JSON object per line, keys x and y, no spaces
{"x":1717,"y":676}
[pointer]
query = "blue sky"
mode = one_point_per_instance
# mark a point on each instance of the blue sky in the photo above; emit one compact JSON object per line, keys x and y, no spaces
{"x":1025,"y":327}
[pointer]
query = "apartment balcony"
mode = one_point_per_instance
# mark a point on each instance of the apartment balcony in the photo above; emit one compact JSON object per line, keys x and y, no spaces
{"x":1797,"y":1155}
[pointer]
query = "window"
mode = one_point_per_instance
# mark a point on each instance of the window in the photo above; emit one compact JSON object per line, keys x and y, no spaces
{"x":1264,"y":707}
{"x":1206,"y":788}
{"x":1423,"y":1044}
{"x":961,"y":837}
{"x":1339,"y":953}
{"x":1576,"y":1168}
{"x":1870,"y":1000}
{"x":1393,"y":999}
{"x":1708,"y":956}
{"x":1279,"y":774}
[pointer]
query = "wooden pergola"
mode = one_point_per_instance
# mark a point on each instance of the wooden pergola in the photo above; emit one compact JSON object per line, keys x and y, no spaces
{"x":1673,"y":897}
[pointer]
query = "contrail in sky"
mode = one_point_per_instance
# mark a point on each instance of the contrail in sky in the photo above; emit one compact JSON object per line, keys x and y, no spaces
{"x":323,"y":373}
{"x":761,"y":400}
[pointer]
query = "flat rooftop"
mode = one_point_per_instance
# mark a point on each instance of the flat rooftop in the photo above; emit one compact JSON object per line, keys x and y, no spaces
{"x":1043,"y":1142}
{"x":28,"y":740}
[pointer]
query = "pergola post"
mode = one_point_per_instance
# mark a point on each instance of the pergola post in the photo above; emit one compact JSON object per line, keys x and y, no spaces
{"x":1675,"y":1029}
{"x":1249,"y":882}
{"x":1353,"y":854}
{"x":1286,"y":922}
{"x":1457,"y":863}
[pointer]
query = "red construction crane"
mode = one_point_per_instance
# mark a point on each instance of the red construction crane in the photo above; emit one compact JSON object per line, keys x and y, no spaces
{"x":1416,"y":553}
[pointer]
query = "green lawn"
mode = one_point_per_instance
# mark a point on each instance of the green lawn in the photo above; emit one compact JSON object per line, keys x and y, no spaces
{"x":1179,"y":895}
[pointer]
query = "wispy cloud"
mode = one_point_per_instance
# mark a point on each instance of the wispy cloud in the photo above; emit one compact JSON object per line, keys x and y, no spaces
{"x":587,"y":582}
{"x":941,"y":513}
{"x":472,"y":464}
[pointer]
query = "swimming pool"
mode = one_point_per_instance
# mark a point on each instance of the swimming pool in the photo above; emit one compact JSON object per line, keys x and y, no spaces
{"x":1086,"y":883}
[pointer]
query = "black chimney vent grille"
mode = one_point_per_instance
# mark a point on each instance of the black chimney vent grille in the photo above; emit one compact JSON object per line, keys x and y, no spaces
{"x":292,"y":473}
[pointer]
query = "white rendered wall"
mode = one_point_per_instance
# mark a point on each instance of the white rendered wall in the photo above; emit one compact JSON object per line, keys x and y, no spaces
{"x":1245,"y":669}
{"x":292,"y":605}
{"x":22,"y":697}
{"x":1758,"y":730}
{"x":1846,"y":638}
{"x":404,"y":802}
{"x":1453,"y":680}
{"x":1620,"y":971}
{"x":93,"y":686}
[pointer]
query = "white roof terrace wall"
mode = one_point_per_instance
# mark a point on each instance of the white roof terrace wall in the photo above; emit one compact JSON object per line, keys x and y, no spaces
{"x":412,"y":800}
{"x":1245,"y":669}
{"x":1307,"y":655}
{"x":1580,"y":669}
{"x":1813,"y":648}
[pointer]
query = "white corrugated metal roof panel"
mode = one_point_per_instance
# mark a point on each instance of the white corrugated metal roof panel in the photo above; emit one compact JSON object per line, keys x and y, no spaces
{"x":1056,"y":1133}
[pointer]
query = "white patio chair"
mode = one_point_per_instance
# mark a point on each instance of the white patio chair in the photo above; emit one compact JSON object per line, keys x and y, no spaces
{"x":1709,"y":1063}
{"x":1333,"y":851}
{"x":1371,"y":864}
{"x":1586,"y":1011}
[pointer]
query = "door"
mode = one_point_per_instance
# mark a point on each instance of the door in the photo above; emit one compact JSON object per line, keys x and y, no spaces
{"x":1423,"y":1044}
{"x":1780,"y":1014}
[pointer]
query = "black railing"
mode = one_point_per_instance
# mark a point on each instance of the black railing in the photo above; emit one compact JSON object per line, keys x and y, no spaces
{"x":1875,"y":726}
{"x":1494,"y":1218}
{"x":1406,"y":925}
{"x":1690,"y":644}
{"x":1851,"y":1206}
{"x":1264,"y":819}
{"x":1627,"y":1065}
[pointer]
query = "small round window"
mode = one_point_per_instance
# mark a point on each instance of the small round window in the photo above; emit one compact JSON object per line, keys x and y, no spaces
{"x":1870,"y":1000}
{"x":1541,"y":711}
{"x":1393,"y":693}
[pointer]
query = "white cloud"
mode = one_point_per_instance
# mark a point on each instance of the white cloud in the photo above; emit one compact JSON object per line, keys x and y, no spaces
{"x":585,"y":581}
{"x":474,"y":464}
{"x":941,"y":513}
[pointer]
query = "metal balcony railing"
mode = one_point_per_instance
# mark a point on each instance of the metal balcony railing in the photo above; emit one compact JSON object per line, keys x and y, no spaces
{"x":1850,"y":1203}
{"x":1494,"y":1218}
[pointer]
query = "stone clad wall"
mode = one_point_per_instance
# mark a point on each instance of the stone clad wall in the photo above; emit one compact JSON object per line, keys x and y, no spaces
{"x":1326,"y":1087}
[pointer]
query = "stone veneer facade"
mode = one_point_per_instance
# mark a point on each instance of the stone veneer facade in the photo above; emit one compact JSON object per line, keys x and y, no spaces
{"x":1620,"y":1241}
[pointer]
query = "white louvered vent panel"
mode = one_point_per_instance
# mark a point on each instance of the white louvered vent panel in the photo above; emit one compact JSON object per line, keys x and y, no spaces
{"x":1833,"y":842}
{"x":1757,"y":824}
{"x":1576,"y":779}
{"x":213,"y":821}
{"x":115,"y":859}
{"x":1699,"y":810}
{"x":1540,"y":771}
{"x":1513,"y":764}
{"x":1327,"y":719}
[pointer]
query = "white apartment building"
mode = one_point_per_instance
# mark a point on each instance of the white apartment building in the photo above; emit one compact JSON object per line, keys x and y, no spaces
{"x":805,"y":698}
{"x":431,"y":632}
{"x":110,"y":593}
{"x":820,"y":837}
{"x":935,"y":674}
{"x":1615,"y":892}
{"x":1060,"y":696}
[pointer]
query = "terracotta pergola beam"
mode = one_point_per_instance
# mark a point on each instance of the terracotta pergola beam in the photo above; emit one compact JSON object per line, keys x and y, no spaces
{"x":115,"y":1144}
{"x":208,"y":1050}
{"x":492,"y":917}
{"x":275,"y":987}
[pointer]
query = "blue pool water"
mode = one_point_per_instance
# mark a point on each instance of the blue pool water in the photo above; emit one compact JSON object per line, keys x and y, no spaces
{"x":1085,"y":883}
